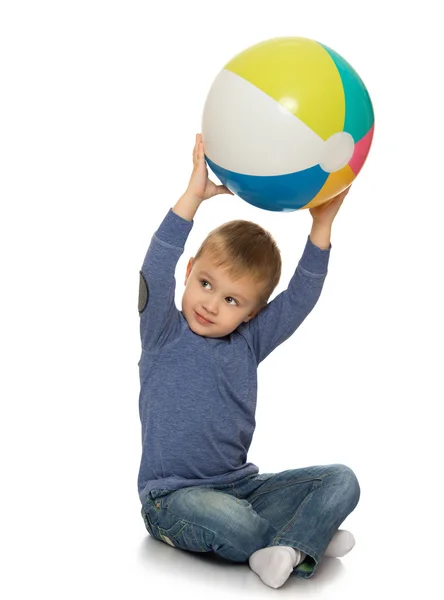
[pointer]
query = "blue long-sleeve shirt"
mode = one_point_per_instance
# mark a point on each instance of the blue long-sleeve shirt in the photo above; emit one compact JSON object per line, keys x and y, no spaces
{"x":197,"y":399}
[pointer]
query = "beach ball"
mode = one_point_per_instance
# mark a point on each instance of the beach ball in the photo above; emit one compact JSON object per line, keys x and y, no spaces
{"x":287,"y":124}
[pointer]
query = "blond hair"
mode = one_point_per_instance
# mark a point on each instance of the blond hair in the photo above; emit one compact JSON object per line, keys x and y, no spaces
{"x":245,"y":249}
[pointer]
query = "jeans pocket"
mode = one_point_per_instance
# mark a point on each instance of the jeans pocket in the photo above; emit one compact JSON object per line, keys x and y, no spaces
{"x":181,"y":534}
{"x":147,"y":521}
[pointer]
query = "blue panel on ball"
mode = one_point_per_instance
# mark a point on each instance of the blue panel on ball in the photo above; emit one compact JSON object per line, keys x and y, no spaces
{"x":277,"y":192}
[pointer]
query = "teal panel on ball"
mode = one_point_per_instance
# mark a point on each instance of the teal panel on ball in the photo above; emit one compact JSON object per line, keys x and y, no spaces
{"x":276,"y":192}
{"x":359,"y":115}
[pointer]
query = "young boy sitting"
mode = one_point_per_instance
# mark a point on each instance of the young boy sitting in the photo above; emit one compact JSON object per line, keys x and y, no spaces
{"x":198,"y":378}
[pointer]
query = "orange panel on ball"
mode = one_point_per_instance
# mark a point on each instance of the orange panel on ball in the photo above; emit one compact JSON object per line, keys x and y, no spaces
{"x":335,"y":184}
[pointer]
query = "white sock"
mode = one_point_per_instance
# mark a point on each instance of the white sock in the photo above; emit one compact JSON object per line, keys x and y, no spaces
{"x":340,"y":545}
{"x":274,"y":564}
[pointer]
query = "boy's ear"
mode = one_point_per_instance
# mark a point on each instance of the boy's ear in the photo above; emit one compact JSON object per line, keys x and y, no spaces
{"x":189,"y":267}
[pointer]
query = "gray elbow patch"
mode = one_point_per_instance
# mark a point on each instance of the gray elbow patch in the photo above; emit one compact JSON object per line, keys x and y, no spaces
{"x":143,"y":293}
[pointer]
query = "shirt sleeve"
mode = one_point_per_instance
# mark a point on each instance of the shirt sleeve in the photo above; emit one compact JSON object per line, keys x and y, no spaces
{"x":284,"y":314}
{"x":157,"y":282}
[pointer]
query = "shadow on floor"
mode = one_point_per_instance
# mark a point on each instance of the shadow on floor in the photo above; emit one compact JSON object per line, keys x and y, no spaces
{"x":210,"y":570}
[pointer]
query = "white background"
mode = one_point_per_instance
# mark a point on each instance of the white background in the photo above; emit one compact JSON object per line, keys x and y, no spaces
{"x":99,"y":105}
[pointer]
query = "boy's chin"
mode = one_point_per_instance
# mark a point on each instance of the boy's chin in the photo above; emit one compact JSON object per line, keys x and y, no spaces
{"x":201,"y":329}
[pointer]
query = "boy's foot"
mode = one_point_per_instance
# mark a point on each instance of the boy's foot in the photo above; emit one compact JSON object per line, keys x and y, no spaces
{"x":340,"y":545}
{"x":274,"y":564}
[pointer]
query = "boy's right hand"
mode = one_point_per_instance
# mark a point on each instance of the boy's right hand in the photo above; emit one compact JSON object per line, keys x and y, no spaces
{"x":200,"y":186}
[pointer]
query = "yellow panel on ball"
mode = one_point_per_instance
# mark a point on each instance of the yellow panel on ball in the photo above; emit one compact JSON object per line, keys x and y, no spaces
{"x":301,"y":76}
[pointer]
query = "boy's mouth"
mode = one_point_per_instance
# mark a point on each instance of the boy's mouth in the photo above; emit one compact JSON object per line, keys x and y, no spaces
{"x":201,"y":319}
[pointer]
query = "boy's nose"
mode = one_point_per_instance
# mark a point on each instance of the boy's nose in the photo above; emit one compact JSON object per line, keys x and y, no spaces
{"x":210,"y":306}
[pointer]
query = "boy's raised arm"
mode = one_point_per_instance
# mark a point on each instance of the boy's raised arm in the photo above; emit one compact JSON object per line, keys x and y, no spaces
{"x":285,"y":313}
{"x":158,"y":313}
{"x":157,"y":309}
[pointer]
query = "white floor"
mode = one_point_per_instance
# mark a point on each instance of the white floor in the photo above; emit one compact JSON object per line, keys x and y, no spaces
{"x":200,"y":573}
{"x":363,"y":573}
{"x":90,"y":549}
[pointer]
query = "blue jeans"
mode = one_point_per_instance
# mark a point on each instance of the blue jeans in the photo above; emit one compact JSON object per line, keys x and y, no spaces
{"x":302,"y":508}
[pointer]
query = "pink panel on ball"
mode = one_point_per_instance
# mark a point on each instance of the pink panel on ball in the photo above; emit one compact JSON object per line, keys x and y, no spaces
{"x":362,"y":148}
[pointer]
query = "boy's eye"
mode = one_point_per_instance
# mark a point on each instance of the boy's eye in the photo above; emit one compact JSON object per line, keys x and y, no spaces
{"x":230,"y":298}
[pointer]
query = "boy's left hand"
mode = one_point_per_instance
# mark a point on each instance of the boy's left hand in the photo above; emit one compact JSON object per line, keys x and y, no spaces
{"x":200,"y":186}
{"x":325,"y":213}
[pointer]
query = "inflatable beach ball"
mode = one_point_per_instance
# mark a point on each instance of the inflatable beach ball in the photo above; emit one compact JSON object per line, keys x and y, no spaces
{"x":287,"y":124}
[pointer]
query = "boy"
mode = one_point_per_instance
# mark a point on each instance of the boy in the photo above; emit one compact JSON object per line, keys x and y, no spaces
{"x":198,"y":395}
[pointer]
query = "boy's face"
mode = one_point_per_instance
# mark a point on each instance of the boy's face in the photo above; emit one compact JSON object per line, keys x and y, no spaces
{"x":211,"y":293}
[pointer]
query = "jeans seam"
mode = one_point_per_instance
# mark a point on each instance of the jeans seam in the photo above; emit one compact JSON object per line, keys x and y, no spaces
{"x":284,"y":485}
{"x":194,"y":534}
{"x":281,"y":533}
